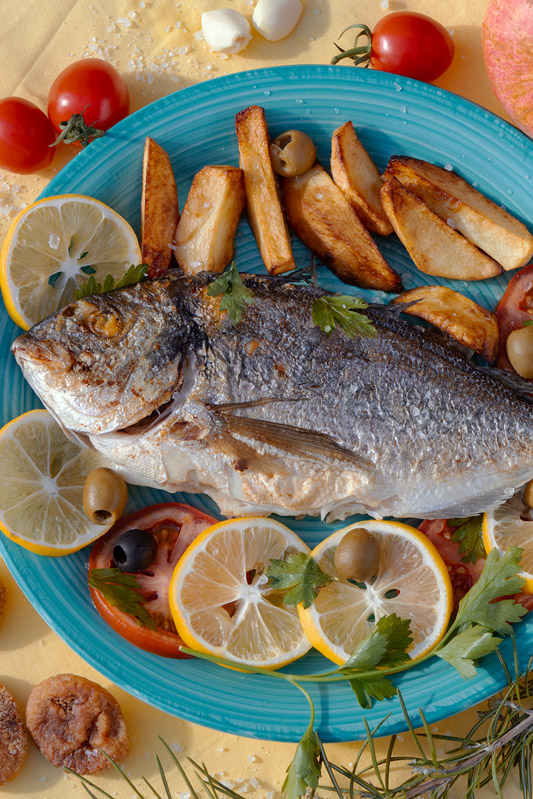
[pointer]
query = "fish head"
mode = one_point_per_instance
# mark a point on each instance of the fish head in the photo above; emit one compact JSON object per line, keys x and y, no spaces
{"x":106,"y":362}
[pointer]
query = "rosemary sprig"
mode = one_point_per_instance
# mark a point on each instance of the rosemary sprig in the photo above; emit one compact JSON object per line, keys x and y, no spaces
{"x":497,"y":746}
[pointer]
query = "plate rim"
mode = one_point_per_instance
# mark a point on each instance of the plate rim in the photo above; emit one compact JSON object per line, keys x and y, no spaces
{"x":76,"y":166}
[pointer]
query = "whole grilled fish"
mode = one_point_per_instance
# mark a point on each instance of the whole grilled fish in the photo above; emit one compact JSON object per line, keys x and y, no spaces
{"x":272,"y":415}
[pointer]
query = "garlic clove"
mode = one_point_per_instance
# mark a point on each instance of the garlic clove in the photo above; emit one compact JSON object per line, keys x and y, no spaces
{"x":275,"y":19}
{"x":225,"y":30}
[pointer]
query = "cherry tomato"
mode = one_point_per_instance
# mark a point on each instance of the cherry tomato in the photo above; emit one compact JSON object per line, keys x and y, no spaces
{"x":411,"y":44}
{"x":514,"y":308}
{"x":173,"y":526}
{"x":25,"y":136}
{"x":92,"y":87}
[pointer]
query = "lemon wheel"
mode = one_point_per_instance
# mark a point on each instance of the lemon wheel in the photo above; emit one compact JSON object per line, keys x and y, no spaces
{"x":512,"y":525}
{"x":412,"y":581}
{"x":220,"y":599}
{"x":53,"y":246}
{"x":41,"y":486}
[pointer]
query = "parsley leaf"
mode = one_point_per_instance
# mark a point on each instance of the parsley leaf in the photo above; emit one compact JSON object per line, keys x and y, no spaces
{"x":368,"y":688}
{"x":468,"y":534}
{"x":300,"y":574}
{"x":386,"y":646}
{"x":341,"y":310}
{"x":304,"y":770}
{"x":122,"y":591}
{"x":236,"y":296}
{"x":135,"y":274}
{"x":498,"y":578}
{"x":528,"y":323}
{"x":464,"y":650}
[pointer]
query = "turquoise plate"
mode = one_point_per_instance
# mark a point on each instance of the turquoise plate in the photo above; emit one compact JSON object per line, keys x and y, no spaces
{"x":392,"y":115}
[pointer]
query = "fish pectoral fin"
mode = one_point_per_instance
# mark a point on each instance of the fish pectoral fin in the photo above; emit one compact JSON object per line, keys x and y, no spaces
{"x":308,"y":444}
{"x":472,"y":506}
{"x":245,"y":457}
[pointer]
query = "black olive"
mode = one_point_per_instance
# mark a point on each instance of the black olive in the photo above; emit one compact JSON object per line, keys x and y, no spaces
{"x":135,"y":550}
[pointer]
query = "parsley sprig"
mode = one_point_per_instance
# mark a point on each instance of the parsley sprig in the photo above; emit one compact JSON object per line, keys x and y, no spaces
{"x":341,"y":310}
{"x":476,"y":631}
{"x":468,"y":534}
{"x":299,"y":575}
{"x":122,"y":591}
{"x":235,"y":295}
{"x":135,"y":274}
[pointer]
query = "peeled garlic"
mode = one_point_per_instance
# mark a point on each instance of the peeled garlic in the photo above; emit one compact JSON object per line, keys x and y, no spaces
{"x":275,"y":19}
{"x":225,"y":30}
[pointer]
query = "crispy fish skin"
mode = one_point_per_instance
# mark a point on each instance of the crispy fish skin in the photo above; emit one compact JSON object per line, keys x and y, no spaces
{"x":272,"y":415}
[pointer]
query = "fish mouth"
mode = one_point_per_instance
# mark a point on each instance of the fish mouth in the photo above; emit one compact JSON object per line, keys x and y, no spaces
{"x":44,"y":353}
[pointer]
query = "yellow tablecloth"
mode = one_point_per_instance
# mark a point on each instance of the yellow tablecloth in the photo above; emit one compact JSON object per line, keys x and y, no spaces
{"x":152,"y":43}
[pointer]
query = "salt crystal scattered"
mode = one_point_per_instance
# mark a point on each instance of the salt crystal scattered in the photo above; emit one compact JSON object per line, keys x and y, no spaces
{"x":327,"y":329}
{"x":253,"y":758}
{"x":263,"y":580}
{"x":448,"y":167}
{"x":319,"y":196}
{"x":132,"y":14}
{"x":317,"y":11}
{"x":43,"y":779}
{"x":53,"y":241}
{"x":199,"y":36}
{"x":384,"y":3}
{"x":397,"y":86}
{"x":254,"y":782}
{"x":183,"y":50}
{"x":222,"y":748}
{"x":451,"y":223}
{"x":403,"y":109}
{"x":142,"y":4}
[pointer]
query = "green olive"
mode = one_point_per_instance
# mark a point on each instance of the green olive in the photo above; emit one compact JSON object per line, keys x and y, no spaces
{"x":357,"y":555}
{"x":104,"y":496}
{"x":520,"y":351}
{"x":528,"y":494}
{"x":292,"y":153}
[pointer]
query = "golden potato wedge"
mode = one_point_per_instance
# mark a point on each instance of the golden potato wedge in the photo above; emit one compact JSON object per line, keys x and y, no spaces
{"x":159,"y":209}
{"x":357,"y":176}
{"x":435,"y":247}
{"x":326,"y":222}
{"x":457,"y":315}
{"x":262,"y":198}
{"x":483,"y":222}
{"x":206,"y":230}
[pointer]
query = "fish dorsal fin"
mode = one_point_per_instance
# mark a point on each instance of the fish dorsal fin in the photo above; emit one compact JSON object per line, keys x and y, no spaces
{"x":308,"y":444}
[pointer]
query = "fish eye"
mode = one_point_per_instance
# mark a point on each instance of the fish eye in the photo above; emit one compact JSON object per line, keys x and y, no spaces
{"x":105,"y":324}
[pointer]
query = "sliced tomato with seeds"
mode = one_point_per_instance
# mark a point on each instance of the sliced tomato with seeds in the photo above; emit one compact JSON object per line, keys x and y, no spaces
{"x":514,"y":308}
{"x":174,"y":526}
{"x":462,"y":575}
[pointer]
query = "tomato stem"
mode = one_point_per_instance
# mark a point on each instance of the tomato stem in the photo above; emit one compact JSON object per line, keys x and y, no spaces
{"x":76,"y":129}
{"x":359,"y":53}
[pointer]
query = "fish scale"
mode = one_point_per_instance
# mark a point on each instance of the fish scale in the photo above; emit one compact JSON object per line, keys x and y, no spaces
{"x":397,"y":425}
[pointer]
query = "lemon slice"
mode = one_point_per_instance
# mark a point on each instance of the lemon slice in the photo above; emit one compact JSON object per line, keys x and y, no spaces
{"x":41,"y":486}
{"x":220,"y":599}
{"x":50,"y":244}
{"x":412,"y":581}
{"x":512,"y":525}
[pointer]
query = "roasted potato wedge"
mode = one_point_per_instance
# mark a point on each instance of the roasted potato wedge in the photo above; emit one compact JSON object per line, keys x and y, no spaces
{"x":159,"y":209}
{"x":357,"y":176}
{"x":435,"y":247}
{"x":326,"y":222}
{"x":264,"y":207}
{"x":206,"y":230}
{"x":457,"y":315}
{"x":483,"y":222}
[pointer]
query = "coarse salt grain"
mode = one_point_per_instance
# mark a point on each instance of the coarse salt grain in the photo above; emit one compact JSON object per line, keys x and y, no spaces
{"x":451,"y":223}
{"x":384,"y":3}
{"x":319,"y":196}
{"x":448,"y":167}
{"x":53,"y":241}
{"x":199,"y":36}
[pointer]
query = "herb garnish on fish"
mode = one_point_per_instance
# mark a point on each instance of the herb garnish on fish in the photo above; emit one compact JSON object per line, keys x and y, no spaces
{"x":342,"y":310}
{"x":135,"y":274}
{"x":235,"y":295}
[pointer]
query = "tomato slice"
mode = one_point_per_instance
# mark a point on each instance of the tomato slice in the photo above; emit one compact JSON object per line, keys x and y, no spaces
{"x":514,"y":308}
{"x":462,"y":575}
{"x":174,"y":527}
